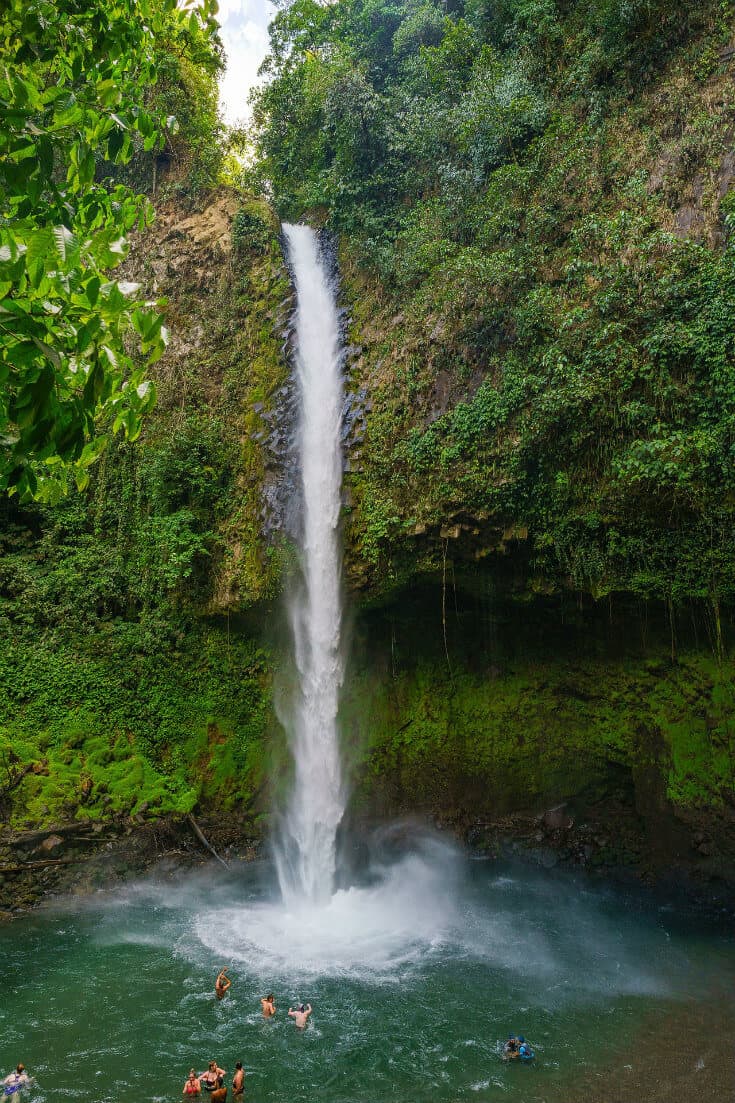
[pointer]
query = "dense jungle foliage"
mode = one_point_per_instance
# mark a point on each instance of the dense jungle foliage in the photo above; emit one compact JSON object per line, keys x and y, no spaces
{"x":541,"y":191}
{"x":534,"y":210}
{"x":83,"y":87}
{"x":103,"y":105}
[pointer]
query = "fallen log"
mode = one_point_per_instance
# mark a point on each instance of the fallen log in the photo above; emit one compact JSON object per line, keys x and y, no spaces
{"x":37,"y":865}
{"x":202,"y":839}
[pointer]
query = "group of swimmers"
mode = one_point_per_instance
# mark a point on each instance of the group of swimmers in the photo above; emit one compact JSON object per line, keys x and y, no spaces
{"x":212,"y":1081}
{"x":301,"y":1013}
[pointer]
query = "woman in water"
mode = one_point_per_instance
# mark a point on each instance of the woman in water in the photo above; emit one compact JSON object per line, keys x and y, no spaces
{"x":14,"y":1084}
{"x":510,"y":1049}
{"x":192,"y":1087}
{"x":269,"y":1007}
{"x":212,"y":1080}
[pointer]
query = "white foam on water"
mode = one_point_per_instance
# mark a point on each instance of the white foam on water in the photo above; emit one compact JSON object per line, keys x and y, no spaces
{"x":378,"y":932}
{"x":415,"y":912}
{"x":418,"y":914}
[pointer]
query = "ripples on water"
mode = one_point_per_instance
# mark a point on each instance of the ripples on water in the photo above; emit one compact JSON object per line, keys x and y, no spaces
{"x":416,"y":975}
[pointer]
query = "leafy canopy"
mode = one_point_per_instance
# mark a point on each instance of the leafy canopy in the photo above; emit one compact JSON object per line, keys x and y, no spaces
{"x":74,"y":84}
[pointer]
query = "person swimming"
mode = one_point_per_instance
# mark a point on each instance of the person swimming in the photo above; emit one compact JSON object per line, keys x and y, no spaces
{"x":524,"y":1050}
{"x":510,"y":1049}
{"x":14,"y":1084}
{"x":517,"y":1048}
{"x":268,"y":1005}
{"x":222,"y":984}
{"x":300,"y":1014}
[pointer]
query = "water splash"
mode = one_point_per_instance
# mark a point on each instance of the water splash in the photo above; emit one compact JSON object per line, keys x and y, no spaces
{"x":377,"y":934}
{"x":306,"y":850}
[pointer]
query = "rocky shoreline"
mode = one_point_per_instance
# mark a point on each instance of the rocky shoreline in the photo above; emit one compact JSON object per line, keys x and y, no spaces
{"x":79,"y":859}
{"x":76,"y":859}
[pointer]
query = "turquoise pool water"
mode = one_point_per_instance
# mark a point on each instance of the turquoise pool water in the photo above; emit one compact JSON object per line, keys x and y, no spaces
{"x":415,"y":976}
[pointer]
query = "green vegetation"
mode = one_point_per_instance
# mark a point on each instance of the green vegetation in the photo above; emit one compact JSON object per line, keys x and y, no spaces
{"x":124,"y":684}
{"x":115,"y":692}
{"x":107,"y":727}
{"x":534,"y":211}
{"x":581,"y":730}
{"x":542,"y":193}
{"x":75,"y":101}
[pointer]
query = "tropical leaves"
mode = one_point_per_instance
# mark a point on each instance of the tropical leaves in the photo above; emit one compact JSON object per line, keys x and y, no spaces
{"x":73,"y":84}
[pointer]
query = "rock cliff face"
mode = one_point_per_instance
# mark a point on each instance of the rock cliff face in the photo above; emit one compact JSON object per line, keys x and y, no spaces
{"x":467,"y":697}
{"x":495,"y":711}
{"x":221,"y":272}
{"x":597,"y":732}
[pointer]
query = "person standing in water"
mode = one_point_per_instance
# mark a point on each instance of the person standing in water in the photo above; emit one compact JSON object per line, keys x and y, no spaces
{"x":192,"y":1087}
{"x":222,"y":984}
{"x":301,"y":1014}
{"x":212,"y":1080}
{"x":238,"y":1082}
{"x":269,"y":1007}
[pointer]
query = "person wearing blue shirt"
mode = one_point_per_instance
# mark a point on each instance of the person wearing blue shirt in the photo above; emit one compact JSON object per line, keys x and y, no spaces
{"x":524,"y":1050}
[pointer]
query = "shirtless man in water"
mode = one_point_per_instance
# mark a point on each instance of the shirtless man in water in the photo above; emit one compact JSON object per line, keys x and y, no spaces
{"x":301,"y":1014}
{"x":269,"y":1007}
{"x":222,"y":984}
{"x":238,"y":1081}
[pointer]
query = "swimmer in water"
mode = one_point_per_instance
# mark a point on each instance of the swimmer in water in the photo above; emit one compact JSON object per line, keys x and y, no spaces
{"x":510,"y":1049}
{"x":14,"y":1084}
{"x":238,"y":1082}
{"x":222,"y":984}
{"x":524,"y":1050}
{"x":300,"y":1014}
{"x":192,"y":1087}
{"x":269,"y":1007}
{"x":213,"y":1079}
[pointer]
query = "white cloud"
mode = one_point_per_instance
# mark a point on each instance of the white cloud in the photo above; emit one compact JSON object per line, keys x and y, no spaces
{"x":228,"y":8}
{"x":244,"y":31}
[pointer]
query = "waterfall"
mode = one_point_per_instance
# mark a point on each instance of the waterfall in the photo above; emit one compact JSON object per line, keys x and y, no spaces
{"x":306,"y":846}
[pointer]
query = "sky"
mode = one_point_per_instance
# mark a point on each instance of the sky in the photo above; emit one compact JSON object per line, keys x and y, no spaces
{"x":244,"y":30}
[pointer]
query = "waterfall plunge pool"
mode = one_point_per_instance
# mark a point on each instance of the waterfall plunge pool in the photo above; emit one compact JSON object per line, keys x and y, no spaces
{"x":415,"y":975}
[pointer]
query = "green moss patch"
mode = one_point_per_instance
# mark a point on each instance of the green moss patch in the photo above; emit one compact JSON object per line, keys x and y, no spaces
{"x":545,"y":732}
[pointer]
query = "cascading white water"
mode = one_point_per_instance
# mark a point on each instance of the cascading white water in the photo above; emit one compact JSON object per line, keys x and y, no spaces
{"x":306,"y":850}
